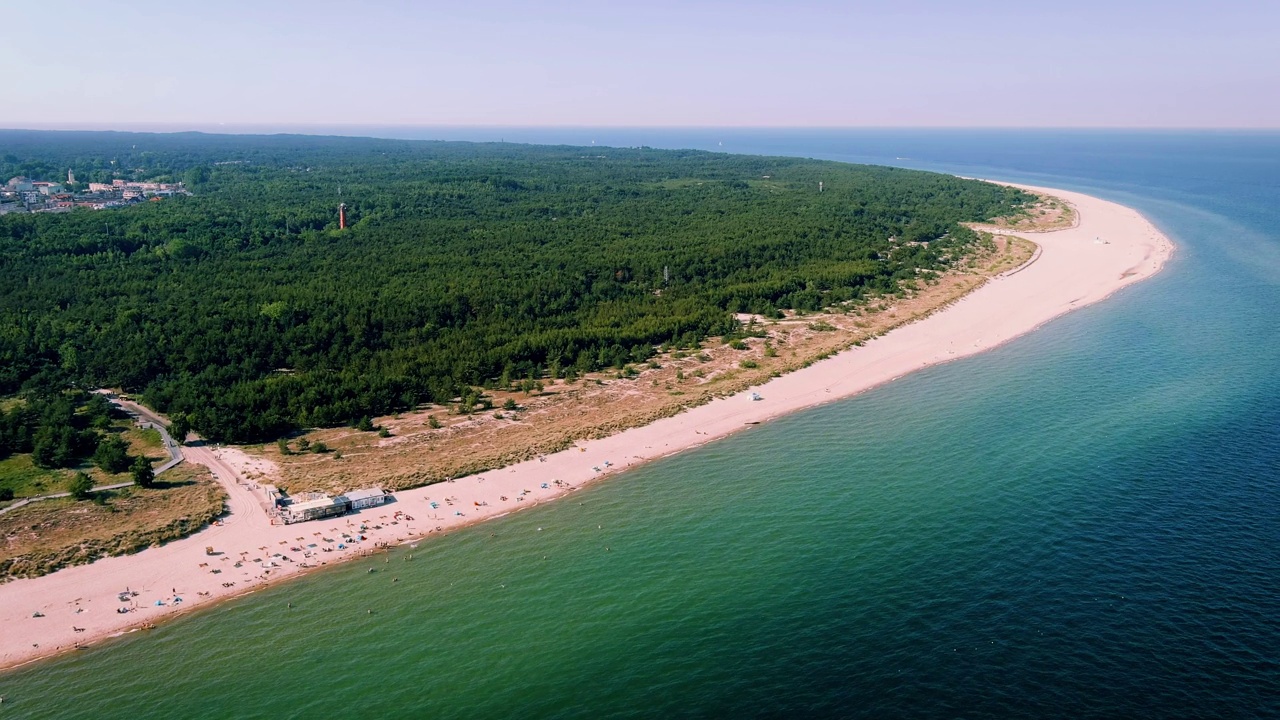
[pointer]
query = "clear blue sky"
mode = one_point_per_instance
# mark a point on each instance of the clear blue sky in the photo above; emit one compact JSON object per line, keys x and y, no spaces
{"x":1143,"y":63}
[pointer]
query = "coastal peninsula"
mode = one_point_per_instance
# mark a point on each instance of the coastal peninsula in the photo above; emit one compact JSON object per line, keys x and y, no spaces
{"x":1108,"y":247}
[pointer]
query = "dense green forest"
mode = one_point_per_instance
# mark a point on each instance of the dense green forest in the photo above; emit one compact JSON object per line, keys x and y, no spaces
{"x":247,"y":312}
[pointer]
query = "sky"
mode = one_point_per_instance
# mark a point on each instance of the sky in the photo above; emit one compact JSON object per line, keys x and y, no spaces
{"x":912,"y":63}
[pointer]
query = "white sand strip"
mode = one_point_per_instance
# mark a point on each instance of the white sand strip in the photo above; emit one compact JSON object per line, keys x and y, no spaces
{"x":1074,"y":268}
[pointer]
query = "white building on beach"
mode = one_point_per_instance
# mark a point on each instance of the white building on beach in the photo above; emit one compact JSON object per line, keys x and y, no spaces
{"x":368,"y":497}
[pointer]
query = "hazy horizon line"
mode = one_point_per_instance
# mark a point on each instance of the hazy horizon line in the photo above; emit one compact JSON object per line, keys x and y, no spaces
{"x":200,"y":126}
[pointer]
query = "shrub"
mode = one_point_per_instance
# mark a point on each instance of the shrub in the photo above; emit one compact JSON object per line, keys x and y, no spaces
{"x":81,"y":486}
{"x":143,"y":475}
{"x":112,"y":454}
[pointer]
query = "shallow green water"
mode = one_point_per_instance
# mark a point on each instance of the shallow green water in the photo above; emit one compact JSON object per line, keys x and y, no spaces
{"x":1080,"y":523}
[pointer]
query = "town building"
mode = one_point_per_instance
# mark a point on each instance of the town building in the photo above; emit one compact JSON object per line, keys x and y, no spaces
{"x":45,"y":196}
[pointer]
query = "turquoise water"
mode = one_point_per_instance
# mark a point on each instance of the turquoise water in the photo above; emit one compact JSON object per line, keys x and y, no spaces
{"x":1082,"y":523}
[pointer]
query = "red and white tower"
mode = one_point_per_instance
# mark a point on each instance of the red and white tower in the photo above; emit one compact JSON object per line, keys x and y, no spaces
{"x":342,"y":216}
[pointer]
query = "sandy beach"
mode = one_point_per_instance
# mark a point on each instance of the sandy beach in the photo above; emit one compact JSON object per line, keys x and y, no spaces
{"x":1110,"y":247}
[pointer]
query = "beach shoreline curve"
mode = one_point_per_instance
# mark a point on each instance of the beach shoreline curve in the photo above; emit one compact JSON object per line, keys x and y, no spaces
{"x":1109,"y":248}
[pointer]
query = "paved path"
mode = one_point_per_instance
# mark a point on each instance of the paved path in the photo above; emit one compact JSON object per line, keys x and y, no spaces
{"x":51,"y":496}
{"x":147,"y":420}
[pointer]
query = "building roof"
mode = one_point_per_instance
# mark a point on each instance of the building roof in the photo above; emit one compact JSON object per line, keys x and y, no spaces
{"x":310,"y":504}
{"x":363,"y":494}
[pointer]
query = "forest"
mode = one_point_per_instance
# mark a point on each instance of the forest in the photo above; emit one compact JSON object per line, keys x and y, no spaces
{"x":244,"y":311}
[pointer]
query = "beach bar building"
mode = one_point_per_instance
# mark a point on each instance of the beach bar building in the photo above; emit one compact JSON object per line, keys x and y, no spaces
{"x":368,"y":497}
{"x":322,"y":507}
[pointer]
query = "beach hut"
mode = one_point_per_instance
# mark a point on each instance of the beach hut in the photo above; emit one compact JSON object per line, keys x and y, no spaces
{"x":367,"y":497}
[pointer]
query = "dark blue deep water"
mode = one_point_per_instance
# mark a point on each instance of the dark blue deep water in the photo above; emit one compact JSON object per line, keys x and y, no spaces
{"x":1082,"y":523}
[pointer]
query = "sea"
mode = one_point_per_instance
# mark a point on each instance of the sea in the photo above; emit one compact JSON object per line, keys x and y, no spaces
{"x":1082,"y":523}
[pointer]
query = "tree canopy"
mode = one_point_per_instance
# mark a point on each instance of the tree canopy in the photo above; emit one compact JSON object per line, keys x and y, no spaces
{"x":246,"y":311}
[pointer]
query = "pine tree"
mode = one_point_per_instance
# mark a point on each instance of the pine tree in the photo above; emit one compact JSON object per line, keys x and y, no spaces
{"x":143,"y":475}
